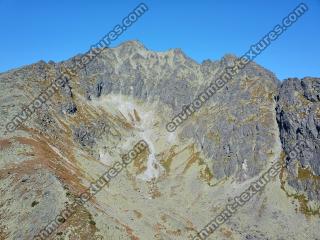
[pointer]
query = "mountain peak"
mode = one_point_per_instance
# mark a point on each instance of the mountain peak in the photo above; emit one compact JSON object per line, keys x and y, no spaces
{"x":132,"y":44}
{"x":225,"y":134}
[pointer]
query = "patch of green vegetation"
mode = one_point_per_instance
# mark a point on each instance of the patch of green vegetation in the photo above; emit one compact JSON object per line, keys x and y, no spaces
{"x":303,"y":174}
{"x":304,"y":208}
{"x":206,"y":174}
{"x":166,"y":162}
{"x":140,"y":162}
{"x":231,"y":118}
{"x":250,"y":118}
{"x":271,"y":96}
{"x":215,"y":136}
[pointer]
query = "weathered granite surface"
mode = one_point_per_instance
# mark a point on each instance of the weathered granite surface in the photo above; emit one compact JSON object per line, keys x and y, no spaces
{"x":298,"y":115}
{"x":129,"y":93}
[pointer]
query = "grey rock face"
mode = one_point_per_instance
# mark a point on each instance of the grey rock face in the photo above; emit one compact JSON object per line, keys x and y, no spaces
{"x":129,"y":93}
{"x":298,"y":115}
{"x":239,"y":148}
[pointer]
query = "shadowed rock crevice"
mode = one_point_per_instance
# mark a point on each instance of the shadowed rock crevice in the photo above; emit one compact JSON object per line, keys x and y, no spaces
{"x":185,"y":177}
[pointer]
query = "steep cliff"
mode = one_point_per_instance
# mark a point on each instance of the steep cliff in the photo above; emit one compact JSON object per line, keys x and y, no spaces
{"x":185,"y":177}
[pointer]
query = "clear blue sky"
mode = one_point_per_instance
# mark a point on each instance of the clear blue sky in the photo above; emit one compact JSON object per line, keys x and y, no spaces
{"x":34,"y":30}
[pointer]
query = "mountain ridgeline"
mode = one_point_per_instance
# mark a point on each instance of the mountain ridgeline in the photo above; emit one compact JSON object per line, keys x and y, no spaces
{"x":182,"y":180}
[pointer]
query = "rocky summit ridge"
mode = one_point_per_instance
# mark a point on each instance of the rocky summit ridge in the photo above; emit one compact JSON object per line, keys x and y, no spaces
{"x":184,"y":178}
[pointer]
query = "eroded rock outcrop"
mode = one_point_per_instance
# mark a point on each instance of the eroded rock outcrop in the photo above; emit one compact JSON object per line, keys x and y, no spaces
{"x":298,"y":114}
{"x":128,"y":94}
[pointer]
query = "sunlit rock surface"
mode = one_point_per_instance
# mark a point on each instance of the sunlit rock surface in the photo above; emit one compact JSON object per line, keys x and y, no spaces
{"x":299,"y":119}
{"x":186,"y":177}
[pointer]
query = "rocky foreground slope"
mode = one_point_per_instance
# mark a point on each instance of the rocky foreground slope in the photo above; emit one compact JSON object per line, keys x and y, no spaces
{"x":184,"y":178}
